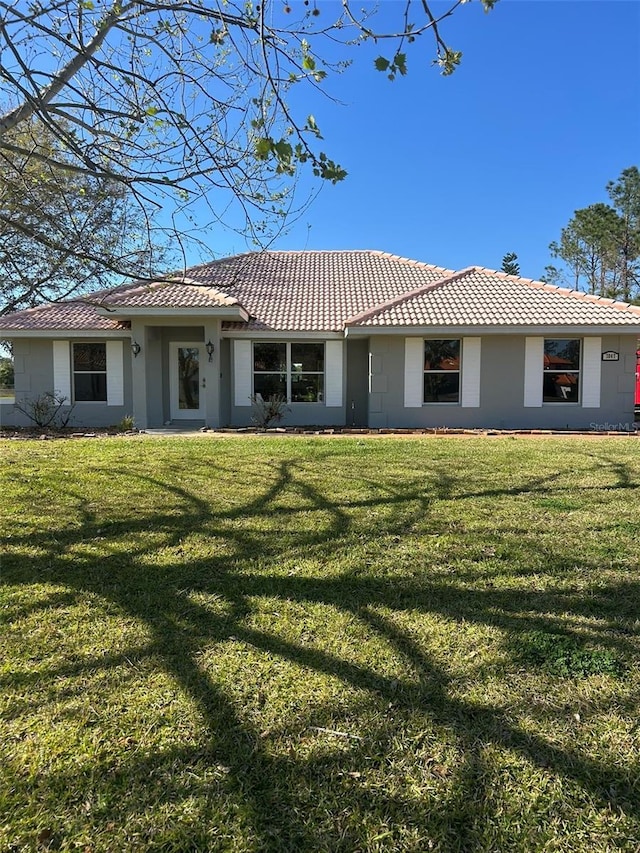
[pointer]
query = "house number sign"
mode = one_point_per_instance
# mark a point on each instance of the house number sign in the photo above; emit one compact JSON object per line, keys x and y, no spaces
{"x":610,"y":355}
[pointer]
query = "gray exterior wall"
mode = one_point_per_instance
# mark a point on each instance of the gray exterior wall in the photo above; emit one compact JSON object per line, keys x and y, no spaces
{"x":33,"y":358}
{"x":299,"y":414}
{"x":373,"y":380}
{"x":225,"y":382}
{"x":502,"y":390}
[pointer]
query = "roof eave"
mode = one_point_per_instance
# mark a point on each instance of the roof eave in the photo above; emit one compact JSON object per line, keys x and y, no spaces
{"x":283,"y":334}
{"x":10,"y":334}
{"x":513,"y":329}
{"x":236,"y":312}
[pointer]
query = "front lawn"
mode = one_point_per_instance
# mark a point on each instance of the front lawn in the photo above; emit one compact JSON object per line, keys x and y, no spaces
{"x":310,"y":644}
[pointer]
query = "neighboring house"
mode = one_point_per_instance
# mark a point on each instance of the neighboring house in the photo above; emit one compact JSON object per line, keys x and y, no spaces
{"x":351,"y":338}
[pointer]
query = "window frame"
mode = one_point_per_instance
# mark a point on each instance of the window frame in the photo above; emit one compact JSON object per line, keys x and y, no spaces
{"x":432,"y":372}
{"x":289,"y":372}
{"x":560,"y":371}
{"x":75,"y":373}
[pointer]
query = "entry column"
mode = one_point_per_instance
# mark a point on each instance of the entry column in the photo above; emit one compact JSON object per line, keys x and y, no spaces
{"x":211,"y":373}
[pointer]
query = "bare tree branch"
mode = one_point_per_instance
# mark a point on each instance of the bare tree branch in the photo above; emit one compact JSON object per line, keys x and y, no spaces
{"x":180,"y":103}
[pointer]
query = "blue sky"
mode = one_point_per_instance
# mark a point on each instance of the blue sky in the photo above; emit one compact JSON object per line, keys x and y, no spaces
{"x":457,"y":171}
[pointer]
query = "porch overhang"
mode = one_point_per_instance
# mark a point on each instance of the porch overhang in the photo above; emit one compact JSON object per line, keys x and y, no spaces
{"x":222,"y":312}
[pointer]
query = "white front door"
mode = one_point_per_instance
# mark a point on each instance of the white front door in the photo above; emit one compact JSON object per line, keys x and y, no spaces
{"x":187,"y":382}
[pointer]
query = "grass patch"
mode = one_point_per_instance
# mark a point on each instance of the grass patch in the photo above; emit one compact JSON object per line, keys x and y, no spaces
{"x":563,"y":656}
{"x":301,"y":644}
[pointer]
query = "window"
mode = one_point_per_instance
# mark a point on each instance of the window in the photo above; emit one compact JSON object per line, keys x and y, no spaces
{"x":90,"y":372}
{"x":561,"y":378}
{"x":7,"y":375}
{"x":293,"y":370}
{"x":442,"y":371}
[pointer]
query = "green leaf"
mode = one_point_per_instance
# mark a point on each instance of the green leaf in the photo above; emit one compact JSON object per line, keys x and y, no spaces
{"x":400,"y":63}
{"x":381,"y":64}
{"x":283,"y":150}
{"x":309,"y":63}
{"x":449,"y":61}
{"x":329,"y":170}
{"x":312,"y":126}
{"x":263,"y":147}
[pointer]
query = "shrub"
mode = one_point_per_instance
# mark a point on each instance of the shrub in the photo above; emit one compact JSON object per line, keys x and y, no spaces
{"x":50,"y":409}
{"x":127,"y":423}
{"x":270,"y":411}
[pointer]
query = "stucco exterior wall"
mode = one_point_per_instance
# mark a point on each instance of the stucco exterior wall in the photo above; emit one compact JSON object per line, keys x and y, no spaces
{"x":225,"y":382}
{"x":373,"y":373}
{"x":34,"y":376}
{"x":501,"y":390}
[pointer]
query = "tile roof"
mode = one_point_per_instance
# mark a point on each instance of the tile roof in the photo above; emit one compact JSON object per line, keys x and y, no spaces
{"x":76,"y":315}
{"x":313,"y":290}
{"x":481,"y":297}
{"x":181,"y":293}
{"x":327,"y":290}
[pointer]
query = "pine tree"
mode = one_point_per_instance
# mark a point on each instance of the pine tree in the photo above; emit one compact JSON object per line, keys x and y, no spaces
{"x":510,"y":264}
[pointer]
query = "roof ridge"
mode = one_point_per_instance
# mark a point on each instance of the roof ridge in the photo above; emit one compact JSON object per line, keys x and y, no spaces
{"x":410,"y":261}
{"x":405,"y":297}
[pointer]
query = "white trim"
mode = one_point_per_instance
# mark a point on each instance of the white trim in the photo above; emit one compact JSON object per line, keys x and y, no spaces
{"x":115,"y":373}
{"x":62,"y":369}
{"x":533,"y":371}
{"x":48,"y":334}
{"x":413,"y":373}
{"x":233,"y":311}
{"x":470,"y":380}
{"x":333,"y":370}
{"x":297,"y":337}
{"x":350,"y":331}
{"x":628,"y":328}
{"x":242,"y":372}
{"x":591,"y":372}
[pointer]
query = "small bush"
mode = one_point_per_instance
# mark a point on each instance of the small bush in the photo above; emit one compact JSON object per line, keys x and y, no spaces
{"x":50,"y":409}
{"x":268,"y":412}
{"x":127,"y":423}
{"x":560,"y":655}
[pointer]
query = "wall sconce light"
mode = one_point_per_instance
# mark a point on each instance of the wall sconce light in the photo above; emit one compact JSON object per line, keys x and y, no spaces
{"x":210,"y":349}
{"x":135,"y":348}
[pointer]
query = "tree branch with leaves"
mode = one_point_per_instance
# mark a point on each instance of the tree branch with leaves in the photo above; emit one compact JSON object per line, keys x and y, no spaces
{"x":187,"y":103}
{"x":599,"y":248}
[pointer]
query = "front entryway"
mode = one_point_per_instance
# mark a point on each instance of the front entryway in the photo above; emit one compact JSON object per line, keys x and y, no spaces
{"x":187,"y":382}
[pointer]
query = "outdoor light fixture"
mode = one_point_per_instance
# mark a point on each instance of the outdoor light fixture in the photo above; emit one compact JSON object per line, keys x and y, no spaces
{"x":210,"y":349}
{"x":135,"y":348}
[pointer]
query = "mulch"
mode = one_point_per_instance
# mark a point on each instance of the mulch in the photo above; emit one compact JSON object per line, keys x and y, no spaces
{"x":37,"y":433}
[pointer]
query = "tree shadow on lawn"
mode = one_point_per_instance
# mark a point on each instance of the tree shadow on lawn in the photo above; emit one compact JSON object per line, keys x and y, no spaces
{"x":278,"y":798}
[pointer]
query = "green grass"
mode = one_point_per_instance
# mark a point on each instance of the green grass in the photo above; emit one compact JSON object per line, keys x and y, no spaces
{"x":309,"y":644}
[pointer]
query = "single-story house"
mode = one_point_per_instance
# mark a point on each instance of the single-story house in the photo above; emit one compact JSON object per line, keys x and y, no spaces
{"x":350,"y":338}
